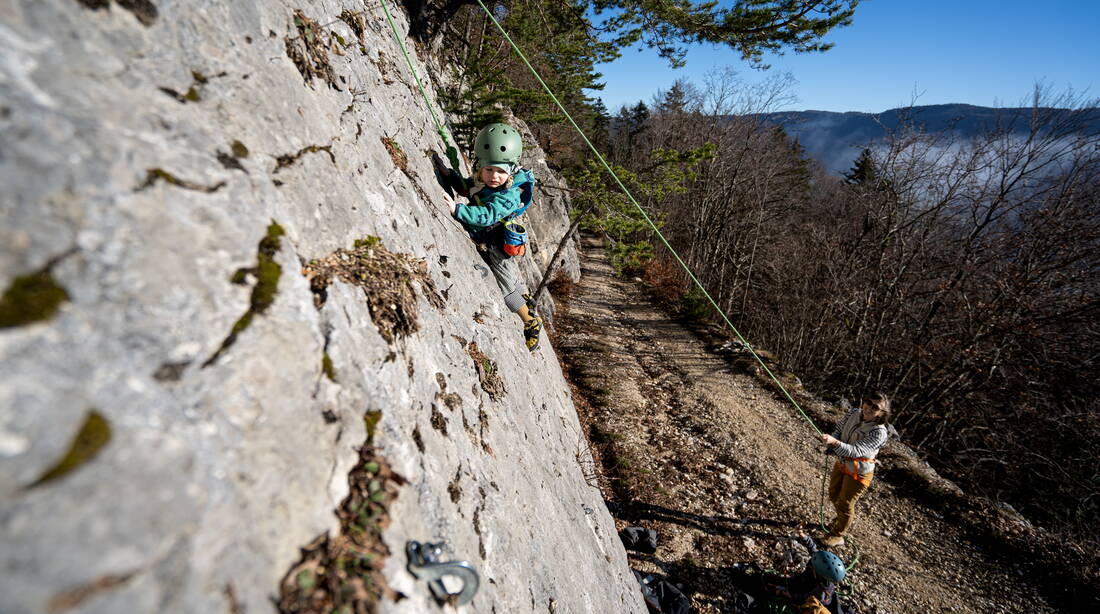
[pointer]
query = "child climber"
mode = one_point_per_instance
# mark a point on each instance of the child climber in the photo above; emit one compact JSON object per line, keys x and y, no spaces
{"x":857,"y":440}
{"x":499,"y":191}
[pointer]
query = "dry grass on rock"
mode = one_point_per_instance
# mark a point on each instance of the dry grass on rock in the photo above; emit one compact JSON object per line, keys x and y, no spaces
{"x":309,"y":51}
{"x":487,"y":373}
{"x":386,"y":279}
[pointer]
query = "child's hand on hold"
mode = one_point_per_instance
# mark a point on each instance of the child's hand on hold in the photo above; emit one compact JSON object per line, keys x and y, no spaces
{"x":450,"y":203}
{"x":829,"y":440}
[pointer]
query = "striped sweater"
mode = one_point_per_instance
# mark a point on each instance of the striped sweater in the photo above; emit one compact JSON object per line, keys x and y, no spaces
{"x":859,"y":439}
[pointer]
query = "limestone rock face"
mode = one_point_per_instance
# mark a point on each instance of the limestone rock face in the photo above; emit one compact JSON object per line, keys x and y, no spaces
{"x":169,"y":438}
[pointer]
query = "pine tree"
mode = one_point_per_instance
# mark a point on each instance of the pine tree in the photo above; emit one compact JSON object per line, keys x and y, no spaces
{"x":864,"y":172}
{"x":601,"y":125}
{"x":752,"y":27}
{"x":637,"y":119}
{"x":675,"y":100}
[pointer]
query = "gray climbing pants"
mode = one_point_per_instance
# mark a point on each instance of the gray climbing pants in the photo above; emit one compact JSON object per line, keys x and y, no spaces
{"x":504,"y":272}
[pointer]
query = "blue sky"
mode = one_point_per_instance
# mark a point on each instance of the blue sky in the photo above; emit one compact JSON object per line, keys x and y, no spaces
{"x":981,"y":52}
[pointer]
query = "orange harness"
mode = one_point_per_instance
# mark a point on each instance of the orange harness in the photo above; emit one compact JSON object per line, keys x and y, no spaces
{"x":865,"y":480}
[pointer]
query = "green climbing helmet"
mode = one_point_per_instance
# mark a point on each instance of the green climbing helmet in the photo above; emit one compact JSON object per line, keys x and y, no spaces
{"x":498,"y":145}
{"x":828,"y":565}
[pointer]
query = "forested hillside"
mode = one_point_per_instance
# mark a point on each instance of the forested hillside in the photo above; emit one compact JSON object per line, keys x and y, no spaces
{"x":835,"y":139}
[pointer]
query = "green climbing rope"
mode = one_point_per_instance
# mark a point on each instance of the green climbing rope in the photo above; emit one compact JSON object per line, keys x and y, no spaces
{"x":671,"y":250}
{"x":452,"y":152}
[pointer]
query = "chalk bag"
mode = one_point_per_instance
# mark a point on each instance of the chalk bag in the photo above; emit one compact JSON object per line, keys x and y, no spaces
{"x":515,"y":239}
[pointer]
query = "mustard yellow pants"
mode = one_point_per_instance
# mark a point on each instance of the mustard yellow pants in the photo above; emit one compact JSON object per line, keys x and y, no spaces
{"x":812,"y":606}
{"x":844,"y":491}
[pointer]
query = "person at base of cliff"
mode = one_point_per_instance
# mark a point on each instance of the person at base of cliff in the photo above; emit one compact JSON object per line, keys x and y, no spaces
{"x":856,"y":440}
{"x":812,"y":590}
{"x":498,"y":192}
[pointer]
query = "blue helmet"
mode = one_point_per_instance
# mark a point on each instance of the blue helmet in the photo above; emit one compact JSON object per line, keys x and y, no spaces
{"x":828,"y":566}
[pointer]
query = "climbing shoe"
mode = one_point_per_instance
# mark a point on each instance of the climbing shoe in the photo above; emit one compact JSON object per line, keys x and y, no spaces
{"x":832,"y":541}
{"x":531,"y":332}
{"x":531,"y":307}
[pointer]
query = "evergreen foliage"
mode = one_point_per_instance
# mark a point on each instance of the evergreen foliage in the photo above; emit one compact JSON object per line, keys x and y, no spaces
{"x":675,"y":100}
{"x":863,"y":171}
{"x":610,"y":212}
{"x":749,"y":26}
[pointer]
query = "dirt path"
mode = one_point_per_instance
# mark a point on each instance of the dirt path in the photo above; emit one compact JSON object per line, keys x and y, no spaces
{"x":695,"y":448}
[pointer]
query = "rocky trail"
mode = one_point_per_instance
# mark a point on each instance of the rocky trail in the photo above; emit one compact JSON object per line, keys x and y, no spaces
{"x":696,"y":447}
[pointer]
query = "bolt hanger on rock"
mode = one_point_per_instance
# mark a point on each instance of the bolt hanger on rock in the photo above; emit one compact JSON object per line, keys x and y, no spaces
{"x":425,"y":565}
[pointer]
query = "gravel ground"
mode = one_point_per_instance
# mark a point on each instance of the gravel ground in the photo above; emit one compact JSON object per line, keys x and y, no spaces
{"x":692,"y":445}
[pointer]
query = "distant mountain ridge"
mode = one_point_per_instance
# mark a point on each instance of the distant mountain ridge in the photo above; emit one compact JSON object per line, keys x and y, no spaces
{"x":835,"y":139}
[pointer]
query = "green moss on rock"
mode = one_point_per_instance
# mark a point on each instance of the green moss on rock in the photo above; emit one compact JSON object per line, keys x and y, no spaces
{"x":153,"y":175}
{"x":267,"y":285}
{"x":327,"y":367}
{"x":268,"y":272}
{"x":31,"y":298}
{"x":370,"y":420}
{"x":239,"y":150}
{"x":89,"y":441}
{"x":368,"y":242}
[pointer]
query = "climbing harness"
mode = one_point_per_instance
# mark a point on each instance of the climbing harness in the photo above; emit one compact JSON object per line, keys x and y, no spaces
{"x":853,"y":471}
{"x":424,"y":564}
{"x":508,"y":234}
{"x":515,"y":234}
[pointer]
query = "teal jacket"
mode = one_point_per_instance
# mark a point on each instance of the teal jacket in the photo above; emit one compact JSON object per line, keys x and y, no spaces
{"x":489,"y":206}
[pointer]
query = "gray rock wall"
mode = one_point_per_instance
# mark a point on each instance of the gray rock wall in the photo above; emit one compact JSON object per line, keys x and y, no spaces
{"x":146,"y":151}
